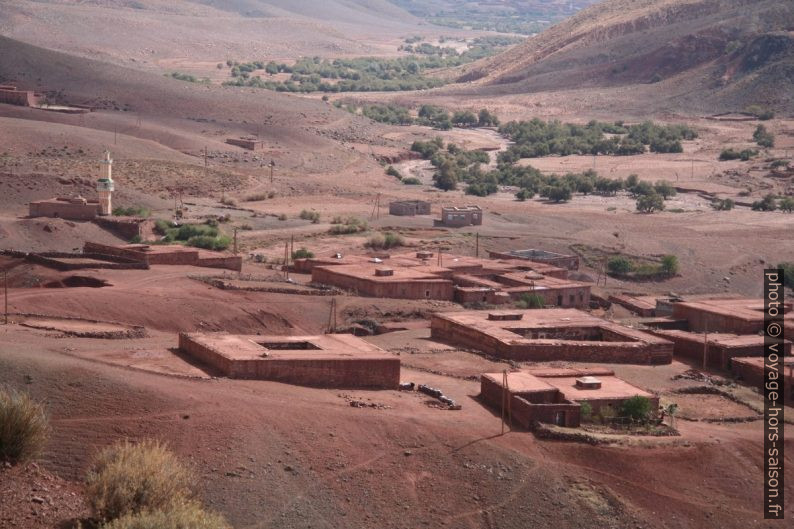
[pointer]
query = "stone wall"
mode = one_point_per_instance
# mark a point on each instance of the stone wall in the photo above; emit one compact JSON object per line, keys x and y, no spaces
{"x":17,"y":97}
{"x":64,"y":210}
{"x":526,"y":413}
{"x":700,"y":320}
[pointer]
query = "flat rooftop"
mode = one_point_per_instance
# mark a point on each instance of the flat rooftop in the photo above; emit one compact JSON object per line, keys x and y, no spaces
{"x":749,"y":309}
{"x":758,"y":361}
{"x":509,"y":329}
{"x":157,"y":248}
{"x":726,"y":340}
{"x":259,"y":347}
{"x":612,"y":387}
{"x":368,"y":271}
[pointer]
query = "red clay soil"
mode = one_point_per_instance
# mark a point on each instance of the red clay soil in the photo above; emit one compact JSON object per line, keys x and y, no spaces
{"x":34,"y":498}
{"x":274,"y":455}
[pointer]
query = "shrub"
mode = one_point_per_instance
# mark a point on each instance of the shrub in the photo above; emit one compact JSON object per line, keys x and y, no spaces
{"x":208,"y":242}
{"x":767,"y":203}
{"x":723,"y":204}
{"x":558,"y":193}
{"x":182,"y":515}
{"x":302,"y":253}
{"x":23,"y":427}
{"x":349,"y":225}
{"x":637,"y":407}
{"x":763,"y":137}
{"x":669,"y":265}
{"x":131,"y":211}
{"x":385,"y":241}
{"x":760,"y":112}
{"x":619,"y":265}
{"x":411,"y":181}
{"x":585,"y":411}
{"x":788,"y":273}
{"x":529,"y":300}
{"x":131,"y":478}
{"x":743,"y":155}
{"x":256,"y":197}
{"x":786,"y":204}
{"x":524,"y":194}
{"x":391,"y":171}
{"x":650,"y":203}
{"x":228,"y":201}
{"x":283,"y":216}
{"x":311,"y":215}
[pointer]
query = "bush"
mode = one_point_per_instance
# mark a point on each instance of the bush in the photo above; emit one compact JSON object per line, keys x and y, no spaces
{"x":760,"y":112}
{"x":385,"y":241}
{"x":558,"y":193}
{"x":723,"y":204}
{"x":786,"y":204}
{"x":525,"y":194}
{"x":391,"y":171}
{"x":637,"y":408}
{"x":207,"y":242}
{"x":585,"y":411}
{"x":619,"y":266}
{"x":529,"y":300}
{"x":767,"y":203}
{"x":228,"y":201}
{"x":302,"y":253}
{"x":763,"y":137}
{"x":312,"y":215}
{"x":743,"y":155}
{"x":131,"y":211}
{"x":23,"y":427}
{"x":256,"y":197}
{"x":788,"y":273}
{"x":283,"y":216}
{"x":183,"y":515}
{"x":349,"y":225}
{"x":131,"y":478}
{"x":411,"y":181}
{"x":650,"y":203}
{"x":669,"y":265}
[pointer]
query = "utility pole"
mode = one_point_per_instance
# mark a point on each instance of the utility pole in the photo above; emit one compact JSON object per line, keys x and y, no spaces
{"x":272,"y":164}
{"x":332,"y":317}
{"x":477,"y":244}
{"x":5,"y":293}
{"x":506,"y":403}
{"x":705,"y":344}
{"x":286,"y":259}
{"x":235,"y":240}
{"x":291,"y":245}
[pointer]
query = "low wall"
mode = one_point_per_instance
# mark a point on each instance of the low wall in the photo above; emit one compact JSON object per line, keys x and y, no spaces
{"x":125,"y":227}
{"x":54,"y":260}
{"x":570,"y":262}
{"x":527,"y":413}
{"x":64,"y":210}
{"x":229,"y":262}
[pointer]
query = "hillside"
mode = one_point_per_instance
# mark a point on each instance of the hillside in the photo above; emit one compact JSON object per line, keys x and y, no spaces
{"x":156,"y":34}
{"x":700,"y":54}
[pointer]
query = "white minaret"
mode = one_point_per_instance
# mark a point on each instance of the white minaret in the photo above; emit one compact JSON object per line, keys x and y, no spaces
{"x":104,"y":185}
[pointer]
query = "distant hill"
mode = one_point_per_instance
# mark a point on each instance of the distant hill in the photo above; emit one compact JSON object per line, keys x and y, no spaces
{"x":154,"y":33}
{"x":703,"y":54}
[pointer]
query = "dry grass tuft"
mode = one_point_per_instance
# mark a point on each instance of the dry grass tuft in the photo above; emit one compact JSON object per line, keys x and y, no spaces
{"x":183,"y":515}
{"x":23,"y":427}
{"x":127,"y":479}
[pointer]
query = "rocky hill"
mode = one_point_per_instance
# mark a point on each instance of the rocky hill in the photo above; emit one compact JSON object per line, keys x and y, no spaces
{"x":704,"y":54}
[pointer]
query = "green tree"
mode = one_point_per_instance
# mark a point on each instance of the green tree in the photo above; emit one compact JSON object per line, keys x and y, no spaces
{"x":446,"y":177}
{"x":650,"y":203}
{"x":669,"y":265}
{"x":486,"y":119}
{"x":636,"y":407}
{"x":763,"y":137}
{"x":768,"y":203}
{"x":786,"y":204}
{"x":619,"y":265}
{"x":664,"y":188}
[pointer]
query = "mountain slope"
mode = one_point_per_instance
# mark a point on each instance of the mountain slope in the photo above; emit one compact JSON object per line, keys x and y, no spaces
{"x":152,"y":33}
{"x":731,"y":52}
